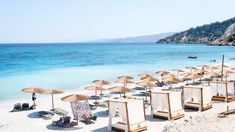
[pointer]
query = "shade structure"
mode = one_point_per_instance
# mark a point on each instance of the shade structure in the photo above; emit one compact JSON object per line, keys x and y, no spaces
{"x":144,"y":75}
{"x":75,"y":98}
{"x":213,"y":74}
{"x":145,"y":84}
{"x":162,"y":73}
{"x":126,"y":77}
{"x":172,"y":80}
{"x":233,"y":68}
{"x":101,"y":83}
{"x":120,"y":89}
{"x":191,"y":68}
{"x":202,"y":66}
{"x":33,"y":90}
{"x":226,"y":72}
{"x":149,"y":79}
{"x":52,"y":92}
{"x":194,"y":76}
{"x":169,"y":75}
{"x":177,"y":71}
{"x":220,"y":66}
{"x":124,"y":81}
{"x":95,"y":88}
{"x":212,"y":68}
{"x":201,"y":70}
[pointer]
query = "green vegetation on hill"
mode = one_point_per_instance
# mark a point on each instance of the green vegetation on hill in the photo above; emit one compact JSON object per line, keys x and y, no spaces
{"x":218,"y":33}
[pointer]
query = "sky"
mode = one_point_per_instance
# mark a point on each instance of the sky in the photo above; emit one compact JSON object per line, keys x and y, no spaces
{"x":46,"y":21}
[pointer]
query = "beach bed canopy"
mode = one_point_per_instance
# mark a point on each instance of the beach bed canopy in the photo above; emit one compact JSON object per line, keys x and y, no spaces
{"x":52,"y":92}
{"x":223,"y":90}
{"x":197,"y":97}
{"x":166,"y":104}
{"x":127,"y":115}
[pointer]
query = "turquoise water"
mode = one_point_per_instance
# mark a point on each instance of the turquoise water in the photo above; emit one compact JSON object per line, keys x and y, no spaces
{"x":71,"y":66}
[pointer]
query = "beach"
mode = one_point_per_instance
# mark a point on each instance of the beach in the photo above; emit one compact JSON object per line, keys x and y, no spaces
{"x":26,"y":121}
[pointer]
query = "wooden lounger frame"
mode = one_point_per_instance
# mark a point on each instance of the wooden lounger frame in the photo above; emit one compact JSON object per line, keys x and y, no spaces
{"x":225,"y":98}
{"x":169,"y":117}
{"x":201,"y":107}
{"x":128,"y":123}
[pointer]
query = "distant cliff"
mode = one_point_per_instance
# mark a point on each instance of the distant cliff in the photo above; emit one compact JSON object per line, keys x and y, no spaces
{"x":137,"y":39}
{"x":218,"y":33}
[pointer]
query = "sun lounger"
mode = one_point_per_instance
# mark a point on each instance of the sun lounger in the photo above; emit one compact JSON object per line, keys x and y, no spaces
{"x":45,"y":114}
{"x":64,"y":122}
{"x":93,"y":97}
{"x":18,"y":107}
{"x":60,"y":111}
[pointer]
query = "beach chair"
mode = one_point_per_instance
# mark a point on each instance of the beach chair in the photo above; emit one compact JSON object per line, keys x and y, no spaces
{"x":223,"y":91}
{"x":60,"y":112}
{"x":82,"y":112}
{"x":18,"y":107}
{"x":64,"y":122}
{"x":127,"y":115}
{"x":167,"y":104}
{"x":197,"y":97}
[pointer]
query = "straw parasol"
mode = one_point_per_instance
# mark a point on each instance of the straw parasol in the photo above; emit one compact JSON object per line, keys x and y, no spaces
{"x":177,"y":71}
{"x":162,"y":73}
{"x":120,"y":89}
{"x":194,"y":76}
{"x":173,"y":80}
{"x":33,"y":91}
{"x":212,"y":68}
{"x":124,"y":81}
{"x":220,"y":66}
{"x":169,"y":75}
{"x":101,"y":83}
{"x":191,"y":68}
{"x":202,"y":66}
{"x":202,"y":71}
{"x":52,"y":92}
{"x":226,"y":72}
{"x":149,"y":79}
{"x":75,"y":98}
{"x":233,"y":68}
{"x":126,"y":77}
{"x":213,"y":74}
{"x":144,"y":75}
{"x":95,"y":88}
{"x":145,"y":84}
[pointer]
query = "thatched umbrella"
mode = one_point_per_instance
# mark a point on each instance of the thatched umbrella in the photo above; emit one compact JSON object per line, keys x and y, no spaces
{"x":101,"y":83}
{"x":124,"y":81}
{"x":177,"y":71}
{"x":213,"y":74}
{"x":120,"y":89}
{"x":194,"y":76}
{"x":191,"y":68}
{"x":126,"y":77}
{"x":201,"y":71}
{"x":212,"y":68}
{"x":33,"y":91}
{"x":52,"y":92}
{"x":169,"y":75}
{"x":172,"y":80}
{"x":145,"y":84}
{"x":162,"y":73}
{"x":144,"y":75}
{"x":233,"y":68}
{"x":149,"y":79}
{"x":75,"y":98}
{"x":95,"y":88}
{"x":226,"y":72}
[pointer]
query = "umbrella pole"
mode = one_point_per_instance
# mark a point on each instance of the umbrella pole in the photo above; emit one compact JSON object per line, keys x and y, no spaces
{"x":52,"y":99}
{"x":95,"y":97}
{"x":222,"y":68}
{"x":101,"y":91}
{"x":146,"y":93}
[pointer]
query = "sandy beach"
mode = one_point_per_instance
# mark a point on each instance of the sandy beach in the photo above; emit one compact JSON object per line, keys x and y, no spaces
{"x":28,"y":121}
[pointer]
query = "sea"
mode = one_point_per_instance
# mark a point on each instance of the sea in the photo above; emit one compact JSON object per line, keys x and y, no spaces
{"x":70,"y":67}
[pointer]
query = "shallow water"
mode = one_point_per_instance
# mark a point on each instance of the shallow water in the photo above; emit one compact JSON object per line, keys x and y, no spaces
{"x":71,"y":66}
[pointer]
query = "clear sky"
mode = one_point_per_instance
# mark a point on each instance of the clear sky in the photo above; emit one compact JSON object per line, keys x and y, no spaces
{"x":81,"y":20}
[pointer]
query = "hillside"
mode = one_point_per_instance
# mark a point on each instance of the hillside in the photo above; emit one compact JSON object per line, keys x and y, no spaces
{"x":218,"y":33}
{"x":137,"y":39}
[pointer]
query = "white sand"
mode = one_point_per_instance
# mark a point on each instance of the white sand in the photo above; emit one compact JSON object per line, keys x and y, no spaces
{"x":26,"y":121}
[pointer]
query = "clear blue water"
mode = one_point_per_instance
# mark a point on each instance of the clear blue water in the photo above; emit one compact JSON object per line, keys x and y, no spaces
{"x":71,"y":66}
